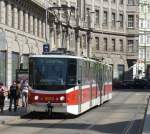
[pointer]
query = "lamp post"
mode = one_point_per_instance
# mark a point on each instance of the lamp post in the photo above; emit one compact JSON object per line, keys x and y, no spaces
{"x":46,"y":18}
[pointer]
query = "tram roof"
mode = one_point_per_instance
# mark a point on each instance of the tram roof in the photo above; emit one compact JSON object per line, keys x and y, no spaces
{"x":66,"y":56}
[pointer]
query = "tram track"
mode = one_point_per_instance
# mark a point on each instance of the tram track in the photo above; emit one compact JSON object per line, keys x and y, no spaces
{"x":121,"y":104}
{"x":130,"y":125}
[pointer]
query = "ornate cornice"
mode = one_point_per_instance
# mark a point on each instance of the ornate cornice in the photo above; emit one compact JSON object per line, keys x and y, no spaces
{"x":28,"y":6}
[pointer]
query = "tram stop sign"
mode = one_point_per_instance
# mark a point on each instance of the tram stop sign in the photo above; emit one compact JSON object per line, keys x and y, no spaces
{"x":46,"y":48}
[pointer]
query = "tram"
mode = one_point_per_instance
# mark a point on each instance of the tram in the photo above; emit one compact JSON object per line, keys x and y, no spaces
{"x":67,"y":83}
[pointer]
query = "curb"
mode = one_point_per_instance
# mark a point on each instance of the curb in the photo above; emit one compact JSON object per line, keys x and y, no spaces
{"x":3,"y":122}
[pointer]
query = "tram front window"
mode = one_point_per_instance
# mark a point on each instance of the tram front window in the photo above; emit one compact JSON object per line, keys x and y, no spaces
{"x":52,"y":73}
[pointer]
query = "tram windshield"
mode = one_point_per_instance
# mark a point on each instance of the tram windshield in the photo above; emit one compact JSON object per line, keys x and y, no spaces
{"x":52,"y":73}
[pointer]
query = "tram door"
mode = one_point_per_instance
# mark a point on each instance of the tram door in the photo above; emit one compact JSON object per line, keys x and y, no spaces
{"x":101,"y":81}
{"x":80,"y":82}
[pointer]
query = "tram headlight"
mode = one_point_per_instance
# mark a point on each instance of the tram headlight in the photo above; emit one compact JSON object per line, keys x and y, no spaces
{"x":62,"y":98}
{"x":36,"y":97}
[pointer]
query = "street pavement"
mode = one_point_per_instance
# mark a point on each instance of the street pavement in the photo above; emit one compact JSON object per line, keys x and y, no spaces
{"x":124,"y":114}
{"x":8,"y":116}
{"x":146,"y":127}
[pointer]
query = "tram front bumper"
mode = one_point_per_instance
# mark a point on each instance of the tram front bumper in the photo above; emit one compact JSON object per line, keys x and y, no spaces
{"x":42,"y":107}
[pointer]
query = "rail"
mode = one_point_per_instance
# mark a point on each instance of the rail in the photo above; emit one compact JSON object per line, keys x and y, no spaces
{"x":146,"y":122}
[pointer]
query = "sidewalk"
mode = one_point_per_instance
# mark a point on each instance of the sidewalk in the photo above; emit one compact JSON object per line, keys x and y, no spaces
{"x":146,"y":128}
{"x":8,"y":116}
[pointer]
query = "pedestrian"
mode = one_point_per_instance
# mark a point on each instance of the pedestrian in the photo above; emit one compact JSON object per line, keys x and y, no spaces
{"x":13,"y":96}
{"x":18,"y":92}
{"x":25,"y":88}
{"x":2,"y":96}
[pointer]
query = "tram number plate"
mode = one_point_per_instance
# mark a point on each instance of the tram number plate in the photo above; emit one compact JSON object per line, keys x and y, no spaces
{"x":49,"y":98}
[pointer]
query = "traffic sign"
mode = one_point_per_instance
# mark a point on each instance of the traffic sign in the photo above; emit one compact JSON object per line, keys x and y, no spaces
{"x":46,"y":48}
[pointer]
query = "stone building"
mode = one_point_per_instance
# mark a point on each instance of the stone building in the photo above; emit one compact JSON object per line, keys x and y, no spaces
{"x":143,"y":63}
{"x":106,"y":29}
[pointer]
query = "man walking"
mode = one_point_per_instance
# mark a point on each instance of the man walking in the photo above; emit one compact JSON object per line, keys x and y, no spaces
{"x":13,"y":96}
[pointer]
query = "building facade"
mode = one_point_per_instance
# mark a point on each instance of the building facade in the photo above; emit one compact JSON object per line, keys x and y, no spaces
{"x":106,"y":29}
{"x":143,"y":63}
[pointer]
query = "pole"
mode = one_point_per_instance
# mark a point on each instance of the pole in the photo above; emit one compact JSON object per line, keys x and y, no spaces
{"x":46,"y":15}
{"x":145,"y":66}
{"x":46,"y":24}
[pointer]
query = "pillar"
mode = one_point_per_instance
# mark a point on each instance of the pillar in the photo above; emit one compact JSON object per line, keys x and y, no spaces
{"x":15,"y":25}
{"x":26,"y":22}
{"x":21,"y":20}
{"x":9,"y":15}
{"x":2,"y":11}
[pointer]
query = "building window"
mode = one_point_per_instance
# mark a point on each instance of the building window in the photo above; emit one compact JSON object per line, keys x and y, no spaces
{"x":148,"y":39}
{"x":105,"y":18}
{"x":97,"y":43}
{"x":120,"y":72}
{"x":6,"y":14}
{"x":148,"y":8}
{"x":142,"y":38}
{"x":113,"y":15}
{"x":97,"y":16}
{"x":121,"y":2}
{"x":25,"y":58}
{"x":148,"y":23}
{"x":141,"y":53}
{"x":3,"y":67}
{"x":141,"y":23}
{"x":34,"y":25}
{"x":13,"y":16}
{"x":19,"y":19}
{"x":137,"y":21}
{"x":121,"y":45}
{"x":38,"y":25}
{"x":73,"y":14}
{"x":64,"y":12}
{"x":148,"y":54}
{"x":121,"y":20}
{"x":88,"y":15}
{"x":15,"y":64}
{"x":42,"y":30}
{"x":130,"y":21}
{"x":113,"y":1}
{"x":105,"y":44}
{"x":141,"y":8}
{"x":130,"y":45}
{"x":131,"y":2}
{"x":24,"y":21}
{"x":84,"y":41}
{"x":113,"y":45}
{"x":29,"y":23}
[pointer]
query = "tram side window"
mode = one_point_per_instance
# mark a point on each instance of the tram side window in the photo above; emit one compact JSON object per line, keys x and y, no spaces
{"x":94,"y":73}
{"x":72,"y":69}
{"x":84,"y":73}
{"x":104,"y":74}
{"x":107,"y":73}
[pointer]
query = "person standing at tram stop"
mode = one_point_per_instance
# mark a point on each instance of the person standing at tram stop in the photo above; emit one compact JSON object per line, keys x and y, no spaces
{"x":25,"y":88}
{"x":2,"y":96}
{"x":13,"y":96}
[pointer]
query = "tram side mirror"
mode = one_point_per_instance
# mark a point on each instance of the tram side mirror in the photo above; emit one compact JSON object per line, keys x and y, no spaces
{"x":79,"y":81}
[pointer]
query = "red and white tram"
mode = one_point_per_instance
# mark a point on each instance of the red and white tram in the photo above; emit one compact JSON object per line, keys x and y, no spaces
{"x":69,"y":83}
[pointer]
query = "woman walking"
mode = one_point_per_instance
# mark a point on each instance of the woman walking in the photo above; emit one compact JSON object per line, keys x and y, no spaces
{"x":25,"y":88}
